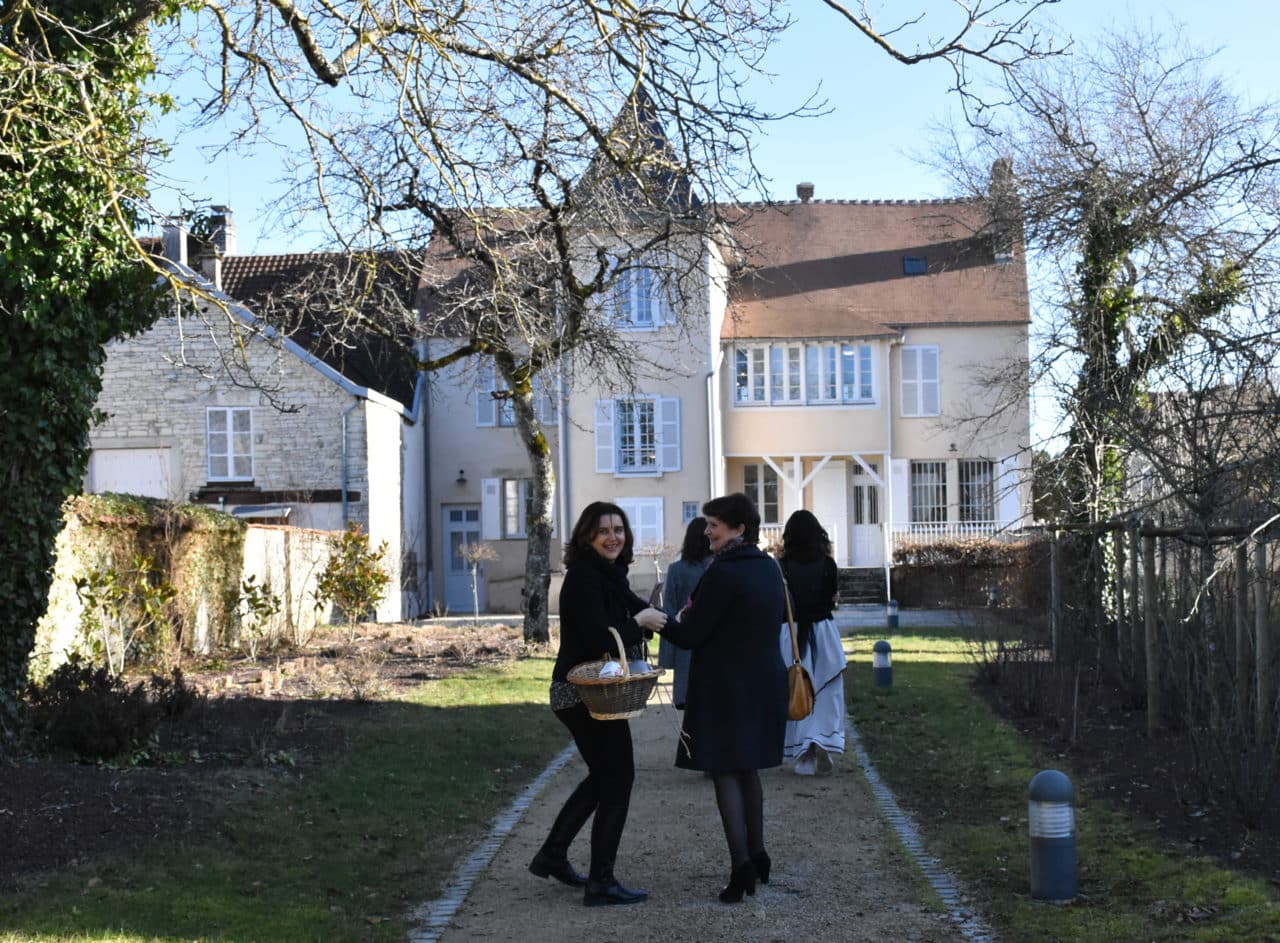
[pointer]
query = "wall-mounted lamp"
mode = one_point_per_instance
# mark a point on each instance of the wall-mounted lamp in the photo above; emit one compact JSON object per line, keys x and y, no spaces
{"x":462,"y":477}
{"x":952,"y":448}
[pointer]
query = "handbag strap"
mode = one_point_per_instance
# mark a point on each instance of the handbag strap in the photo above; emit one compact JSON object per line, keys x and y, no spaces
{"x":791,"y":619}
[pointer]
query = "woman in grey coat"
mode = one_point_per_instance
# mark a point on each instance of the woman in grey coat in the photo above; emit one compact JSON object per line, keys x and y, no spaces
{"x":736,"y":710}
{"x":682,"y":576}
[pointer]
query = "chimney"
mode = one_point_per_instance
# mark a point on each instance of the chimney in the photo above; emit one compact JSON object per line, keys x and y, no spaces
{"x":175,"y":240}
{"x":223,"y":228}
{"x":1006,"y":209}
{"x":804,"y":191}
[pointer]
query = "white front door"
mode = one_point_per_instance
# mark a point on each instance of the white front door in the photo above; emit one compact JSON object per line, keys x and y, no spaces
{"x":462,"y":527}
{"x":831,"y":507}
{"x":865,"y":527}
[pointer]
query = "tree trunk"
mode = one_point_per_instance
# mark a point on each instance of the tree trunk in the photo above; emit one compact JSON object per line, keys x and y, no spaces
{"x":542,"y":482}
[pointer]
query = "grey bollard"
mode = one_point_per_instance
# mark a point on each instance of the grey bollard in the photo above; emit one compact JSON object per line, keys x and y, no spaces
{"x":1052,"y":823}
{"x":891,"y":614}
{"x":882,"y":664}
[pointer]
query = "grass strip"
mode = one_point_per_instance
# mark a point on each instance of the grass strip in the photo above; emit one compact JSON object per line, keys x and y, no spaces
{"x":963,"y":774}
{"x":338,"y":848}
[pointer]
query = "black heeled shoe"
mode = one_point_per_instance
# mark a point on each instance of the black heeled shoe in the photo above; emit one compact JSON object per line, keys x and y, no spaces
{"x":609,"y":893}
{"x":743,"y":878}
{"x":548,"y":866}
{"x":763,"y":864}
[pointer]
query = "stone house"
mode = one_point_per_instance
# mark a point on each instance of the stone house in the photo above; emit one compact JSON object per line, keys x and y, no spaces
{"x":272,"y":428}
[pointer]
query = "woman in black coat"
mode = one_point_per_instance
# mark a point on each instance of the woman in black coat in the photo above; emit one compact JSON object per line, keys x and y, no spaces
{"x":594,"y":596}
{"x":736,"y":709}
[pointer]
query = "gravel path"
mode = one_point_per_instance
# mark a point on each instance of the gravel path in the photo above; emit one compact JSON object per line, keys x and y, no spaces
{"x":838,"y":871}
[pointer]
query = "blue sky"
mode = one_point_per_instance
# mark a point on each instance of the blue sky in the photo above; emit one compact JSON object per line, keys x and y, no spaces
{"x":866,"y":148}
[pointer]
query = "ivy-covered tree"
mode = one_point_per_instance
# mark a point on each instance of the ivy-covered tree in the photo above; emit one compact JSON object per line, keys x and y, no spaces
{"x":71,"y":173}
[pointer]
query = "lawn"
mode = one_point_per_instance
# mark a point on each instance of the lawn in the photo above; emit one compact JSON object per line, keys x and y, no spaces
{"x":963,"y":774}
{"x":340,"y":848}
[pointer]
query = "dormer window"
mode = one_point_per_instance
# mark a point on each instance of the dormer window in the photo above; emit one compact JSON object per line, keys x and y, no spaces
{"x":915,"y":265}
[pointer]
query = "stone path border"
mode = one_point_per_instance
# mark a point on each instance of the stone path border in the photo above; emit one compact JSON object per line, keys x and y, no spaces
{"x":433,"y":919}
{"x":944,"y":885}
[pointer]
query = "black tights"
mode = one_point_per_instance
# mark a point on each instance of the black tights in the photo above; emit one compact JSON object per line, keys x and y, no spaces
{"x":605,"y":746}
{"x":741,"y":803}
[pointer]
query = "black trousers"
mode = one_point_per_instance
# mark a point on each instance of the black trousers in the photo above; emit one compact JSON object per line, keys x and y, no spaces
{"x":606,"y":748}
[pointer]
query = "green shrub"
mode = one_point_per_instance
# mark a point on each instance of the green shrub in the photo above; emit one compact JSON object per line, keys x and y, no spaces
{"x":353,"y":579}
{"x":87,"y":711}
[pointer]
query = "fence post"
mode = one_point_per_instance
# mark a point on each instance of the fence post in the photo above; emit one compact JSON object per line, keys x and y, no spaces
{"x":1242,"y":634}
{"x":1135,"y":626}
{"x":1152,"y":636}
{"x":1262,"y":644}
{"x":1055,"y":592}
{"x":1117,"y":547}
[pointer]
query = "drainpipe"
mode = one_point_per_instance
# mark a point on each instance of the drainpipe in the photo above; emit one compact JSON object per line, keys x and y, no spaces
{"x":888,"y":459}
{"x":428,"y":518}
{"x":562,"y":448}
{"x":345,"y":460}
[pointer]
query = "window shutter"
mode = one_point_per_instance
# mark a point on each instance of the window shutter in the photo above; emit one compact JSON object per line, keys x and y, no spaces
{"x":1008,"y":503}
{"x":486,"y":406}
{"x":910,"y":382}
{"x":604,"y":436}
{"x":669,"y":433}
{"x":929,"y":392}
{"x":900,"y":469}
{"x":491,"y":509}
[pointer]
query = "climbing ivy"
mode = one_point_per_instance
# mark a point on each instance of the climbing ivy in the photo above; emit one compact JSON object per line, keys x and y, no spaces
{"x":71,"y":171}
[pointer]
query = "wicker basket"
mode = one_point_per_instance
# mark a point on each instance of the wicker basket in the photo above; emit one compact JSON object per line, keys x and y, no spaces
{"x":613,"y":698}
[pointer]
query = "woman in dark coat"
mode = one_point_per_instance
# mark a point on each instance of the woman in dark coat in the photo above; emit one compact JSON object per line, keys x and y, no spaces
{"x":595,"y":595}
{"x":735,"y":712}
{"x":682,"y":576}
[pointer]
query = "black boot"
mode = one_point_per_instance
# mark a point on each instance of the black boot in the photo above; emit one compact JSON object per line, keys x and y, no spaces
{"x":742,"y":879}
{"x":761,"y":860}
{"x":552,"y":860}
{"x":607,"y":892}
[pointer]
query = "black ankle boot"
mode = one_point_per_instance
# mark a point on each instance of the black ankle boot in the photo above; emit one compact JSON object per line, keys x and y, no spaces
{"x":761,"y":860}
{"x":546,"y":865}
{"x":742,"y":879}
{"x":609,"y":892}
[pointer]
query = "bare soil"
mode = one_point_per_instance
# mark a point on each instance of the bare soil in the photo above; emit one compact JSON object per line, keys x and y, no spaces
{"x":256,"y":715}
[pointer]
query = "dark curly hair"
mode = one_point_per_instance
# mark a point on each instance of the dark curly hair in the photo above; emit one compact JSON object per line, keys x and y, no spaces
{"x":804,"y":539}
{"x":735,"y":509}
{"x":585,"y":531}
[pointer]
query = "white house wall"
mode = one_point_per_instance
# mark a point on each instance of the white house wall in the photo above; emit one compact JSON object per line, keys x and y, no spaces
{"x":383,"y":426}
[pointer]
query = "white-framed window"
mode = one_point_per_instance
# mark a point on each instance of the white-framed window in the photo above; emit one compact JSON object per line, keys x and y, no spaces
{"x":501,"y":412}
{"x":928,"y":492}
{"x":689,"y":511}
{"x":822,"y":383}
{"x":920,"y":385}
{"x":785,"y":377}
{"x":645,"y":517}
{"x":229,"y":442}
{"x":515,"y":507}
{"x":749,"y":375}
{"x":638,"y":436}
{"x":856,"y":380}
{"x":760,"y":484}
{"x":977,"y":491}
{"x":637,"y":297}
{"x":796,"y":374}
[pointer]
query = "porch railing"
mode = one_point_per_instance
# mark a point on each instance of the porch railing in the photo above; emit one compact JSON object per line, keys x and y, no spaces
{"x":771,"y":535}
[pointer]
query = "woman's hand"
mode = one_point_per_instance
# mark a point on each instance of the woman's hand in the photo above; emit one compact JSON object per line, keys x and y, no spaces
{"x":651,"y":619}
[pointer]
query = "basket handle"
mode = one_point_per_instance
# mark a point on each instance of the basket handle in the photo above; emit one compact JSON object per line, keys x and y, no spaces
{"x":622,"y":652}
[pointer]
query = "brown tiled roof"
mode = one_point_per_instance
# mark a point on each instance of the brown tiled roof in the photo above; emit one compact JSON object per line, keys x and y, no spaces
{"x":310,"y":294}
{"x":835,"y":269}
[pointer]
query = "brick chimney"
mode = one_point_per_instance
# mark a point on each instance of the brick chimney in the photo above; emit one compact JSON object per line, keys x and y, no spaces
{"x":804,"y":191}
{"x":1006,"y":210}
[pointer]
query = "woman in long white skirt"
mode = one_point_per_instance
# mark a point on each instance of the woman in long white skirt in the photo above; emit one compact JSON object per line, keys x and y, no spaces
{"x":811,"y":577}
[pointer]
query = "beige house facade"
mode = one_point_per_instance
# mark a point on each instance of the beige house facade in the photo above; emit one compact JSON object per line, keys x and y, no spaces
{"x":863,"y":360}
